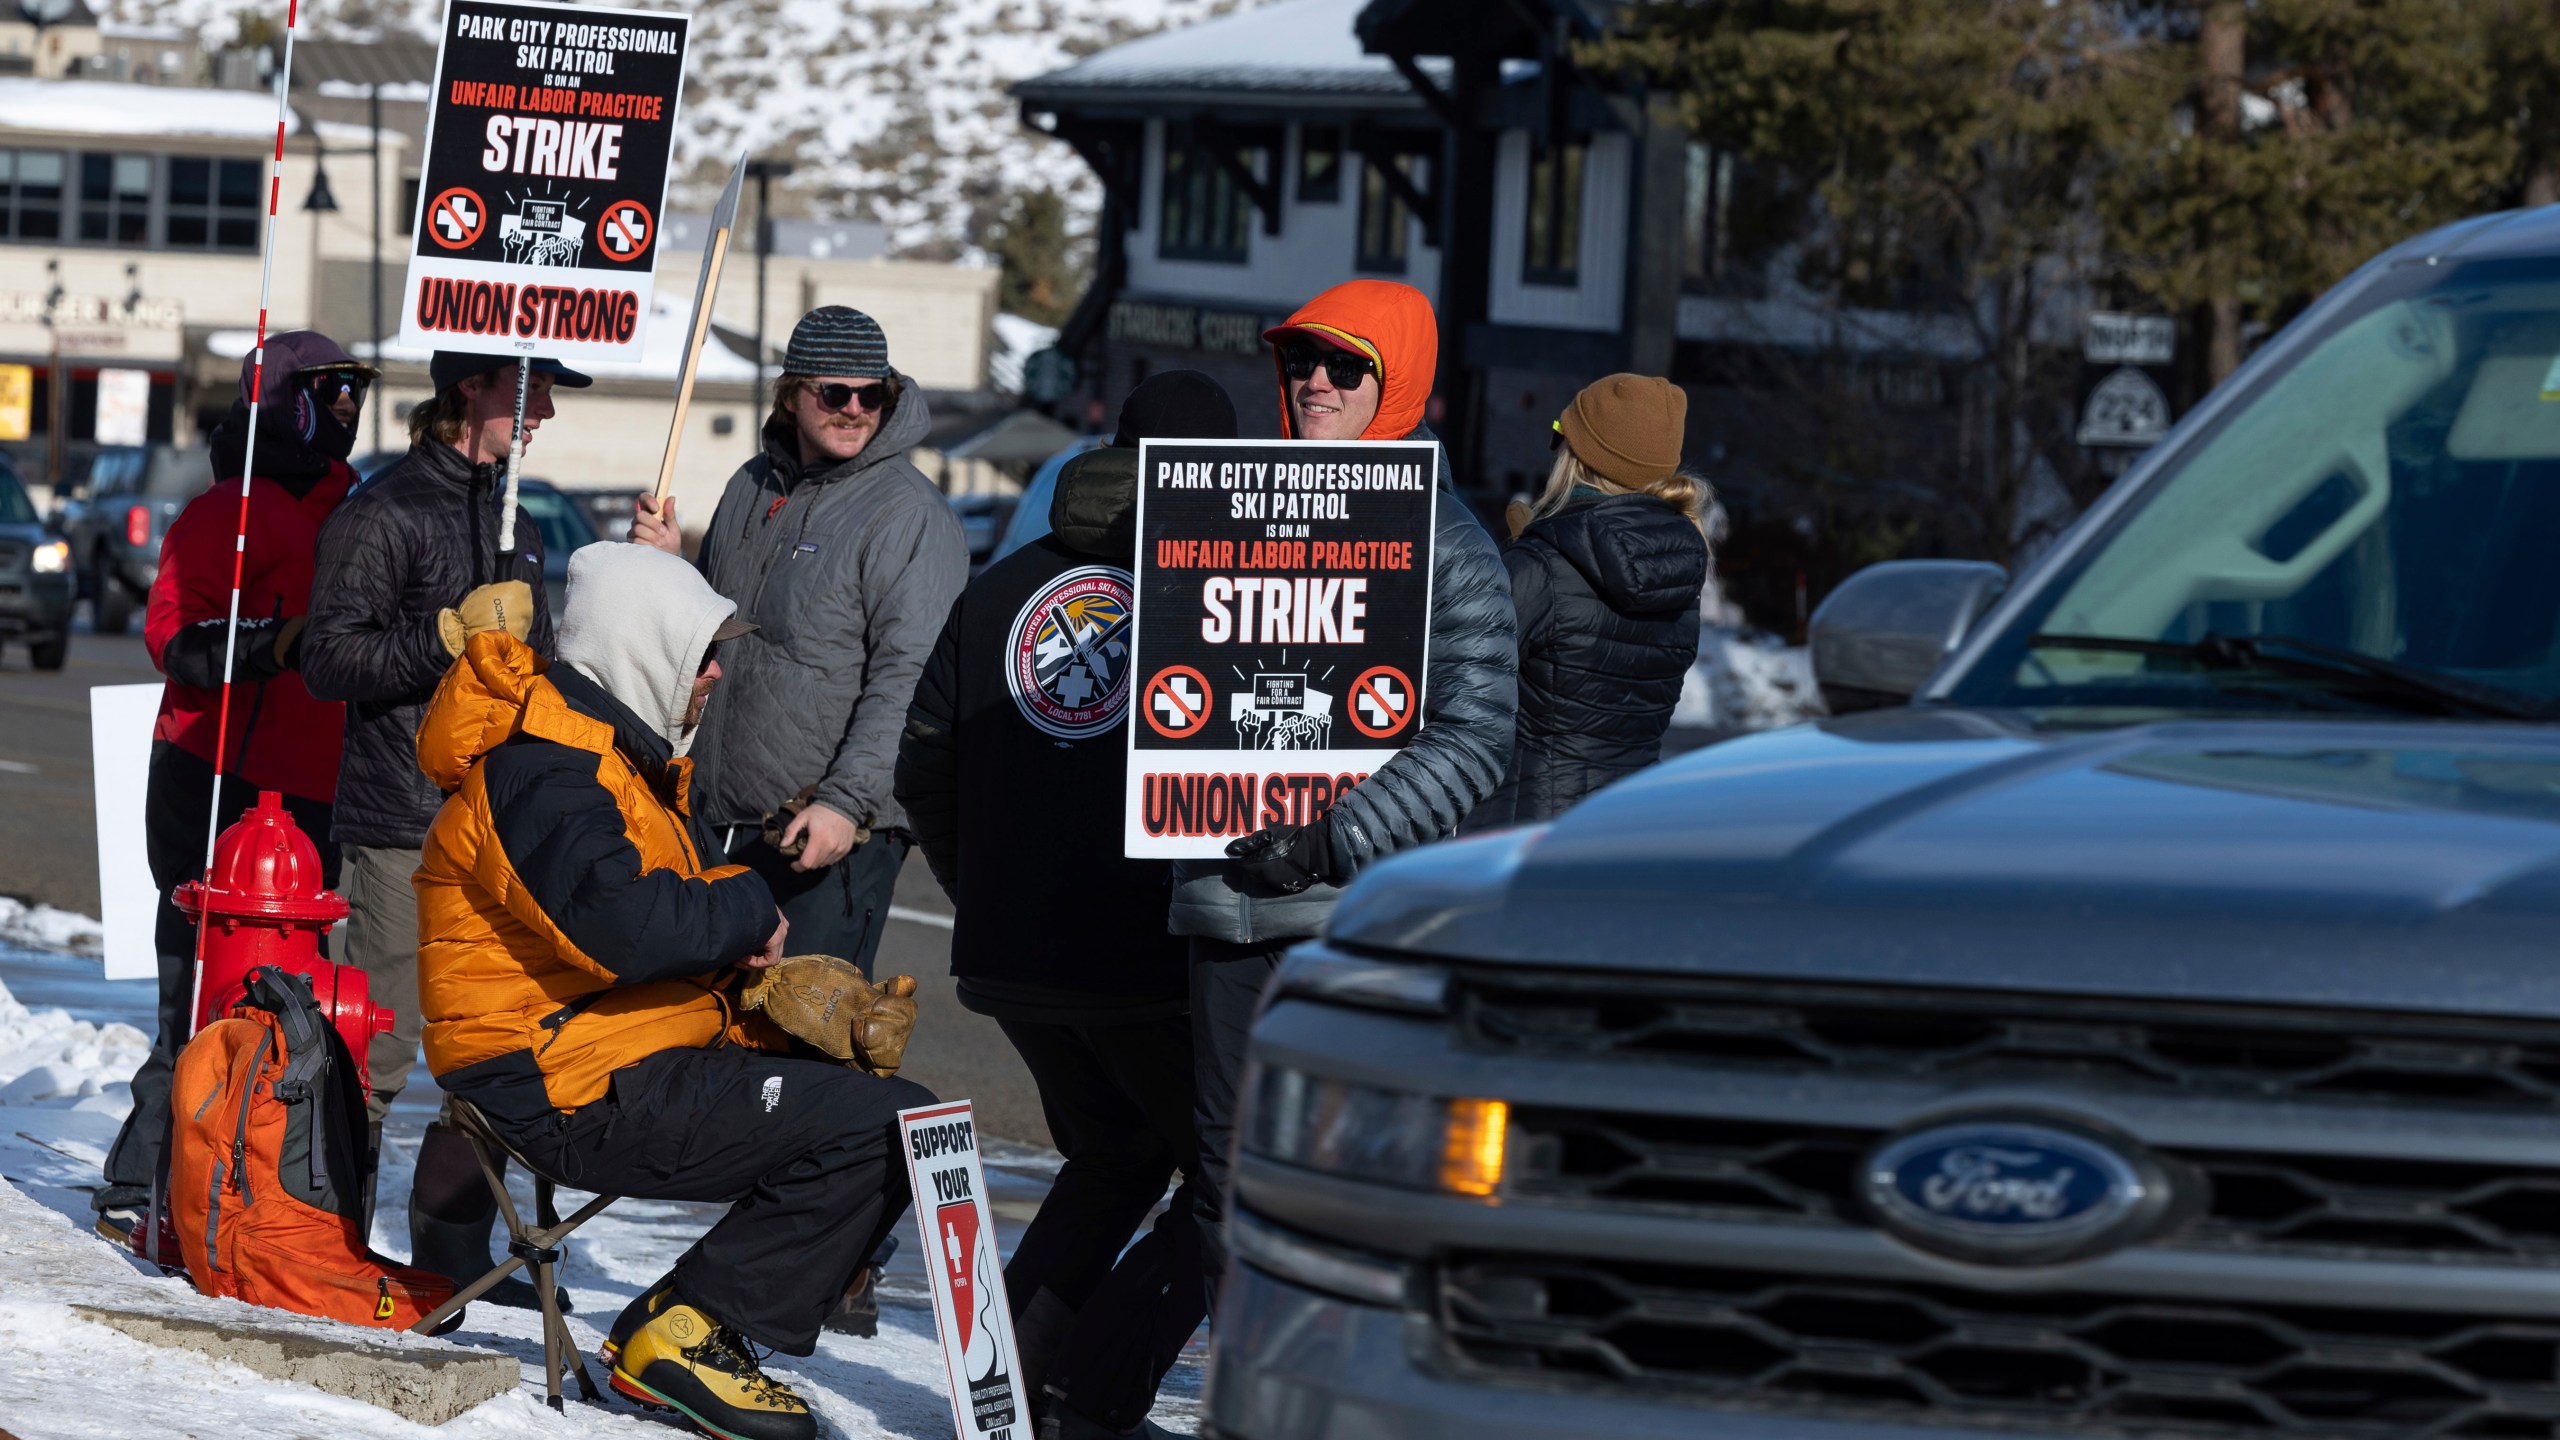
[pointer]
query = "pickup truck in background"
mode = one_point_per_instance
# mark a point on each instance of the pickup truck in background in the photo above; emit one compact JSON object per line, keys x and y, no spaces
{"x":2142,"y":1017}
{"x":116,"y":517}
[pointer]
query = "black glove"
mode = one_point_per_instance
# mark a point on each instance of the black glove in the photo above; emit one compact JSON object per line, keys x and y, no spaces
{"x":194,"y":655}
{"x":1287,"y":858}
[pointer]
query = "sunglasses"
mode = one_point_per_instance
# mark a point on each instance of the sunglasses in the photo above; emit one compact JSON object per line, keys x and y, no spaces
{"x":710,"y":653}
{"x":326,"y":386}
{"x":835,"y":394}
{"x":1345,"y":369}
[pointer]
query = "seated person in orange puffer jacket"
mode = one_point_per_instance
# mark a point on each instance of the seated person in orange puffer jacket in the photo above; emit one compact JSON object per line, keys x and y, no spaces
{"x":576,"y":963}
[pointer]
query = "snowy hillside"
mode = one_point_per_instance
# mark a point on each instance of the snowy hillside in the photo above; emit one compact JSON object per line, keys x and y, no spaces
{"x":894,"y":110}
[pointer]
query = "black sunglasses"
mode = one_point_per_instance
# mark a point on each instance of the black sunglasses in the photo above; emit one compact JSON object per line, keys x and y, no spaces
{"x":834,"y":394}
{"x":328,"y":385}
{"x":710,"y":653}
{"x":1345,"y":369}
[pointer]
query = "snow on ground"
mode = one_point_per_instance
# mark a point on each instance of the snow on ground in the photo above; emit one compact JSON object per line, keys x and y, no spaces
{"x":42,"y":927}
{"x":1747,"y":680}
{"x":62,"y":1095}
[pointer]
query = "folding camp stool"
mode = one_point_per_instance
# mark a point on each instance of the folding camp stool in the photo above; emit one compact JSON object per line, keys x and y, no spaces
{"x":535,"y":1246}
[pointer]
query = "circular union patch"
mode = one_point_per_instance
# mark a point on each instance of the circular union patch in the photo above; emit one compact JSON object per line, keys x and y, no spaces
{"x":1069,"y":662}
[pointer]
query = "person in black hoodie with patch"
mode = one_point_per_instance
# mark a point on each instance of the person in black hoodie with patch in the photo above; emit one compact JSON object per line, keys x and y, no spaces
{"x":1013,"y":770}
{"x":1605,"y":575}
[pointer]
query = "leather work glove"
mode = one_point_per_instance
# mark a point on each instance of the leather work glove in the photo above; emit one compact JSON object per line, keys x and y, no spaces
{"x":506,"y":605}
{"x":288,"y":646}
{"x":825,"y":1002}
{"x":1287,"y":858}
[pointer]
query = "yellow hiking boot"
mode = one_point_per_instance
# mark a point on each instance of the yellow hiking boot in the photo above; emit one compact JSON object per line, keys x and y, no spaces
{"x":686,"y":1361}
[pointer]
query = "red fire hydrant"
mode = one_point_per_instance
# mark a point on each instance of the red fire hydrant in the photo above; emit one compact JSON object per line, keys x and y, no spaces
{"x":263,"y":904}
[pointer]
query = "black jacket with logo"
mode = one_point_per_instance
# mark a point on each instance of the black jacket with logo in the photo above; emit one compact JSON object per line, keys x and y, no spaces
{"x":1013,"y":772}
{"x":1607,"y":595}
{"x":407,"y":543}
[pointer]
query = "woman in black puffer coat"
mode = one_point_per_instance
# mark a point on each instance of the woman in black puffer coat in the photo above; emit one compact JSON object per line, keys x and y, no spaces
{"x":1605,"y":574}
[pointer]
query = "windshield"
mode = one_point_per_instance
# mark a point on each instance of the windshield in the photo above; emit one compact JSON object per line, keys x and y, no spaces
{"x":2372,"y":527}
{"x":562,"y":521}
{"x":15,"y":508}
{"x":173,"y":474}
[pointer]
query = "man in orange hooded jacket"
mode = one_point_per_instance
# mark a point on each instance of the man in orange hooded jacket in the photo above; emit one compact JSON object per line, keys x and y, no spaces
{"x":574,"y":962}
{"x":1355,"y":363}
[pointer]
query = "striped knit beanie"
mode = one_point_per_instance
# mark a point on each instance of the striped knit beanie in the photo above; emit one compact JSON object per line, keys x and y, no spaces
{"x":837,"y":340}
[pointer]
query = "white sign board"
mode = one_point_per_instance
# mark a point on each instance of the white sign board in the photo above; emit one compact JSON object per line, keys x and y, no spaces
{"x":120,"y":722}
{"x":2116,"y":338}
{"x":124,"y":407}
{"x":967,"y":1273}
{"x":544,"y":174}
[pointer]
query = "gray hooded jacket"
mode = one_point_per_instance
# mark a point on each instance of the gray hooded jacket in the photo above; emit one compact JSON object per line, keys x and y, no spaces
{"x":847,"y":573}
{"x":1470,"y":698}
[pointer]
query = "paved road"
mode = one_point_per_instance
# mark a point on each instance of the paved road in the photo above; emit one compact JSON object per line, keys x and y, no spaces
{"x":48,"y":853}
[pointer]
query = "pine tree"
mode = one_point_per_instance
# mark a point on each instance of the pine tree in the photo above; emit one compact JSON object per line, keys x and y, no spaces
{"x":1044,"y":271}
{"x":1939,"y":158}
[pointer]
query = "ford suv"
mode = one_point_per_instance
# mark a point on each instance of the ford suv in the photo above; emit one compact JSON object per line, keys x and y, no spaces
{"x":2142,"y":1017}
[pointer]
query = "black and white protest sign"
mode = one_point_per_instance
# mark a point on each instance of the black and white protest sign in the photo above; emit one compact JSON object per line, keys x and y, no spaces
{"x":545,"y":180}
{"x":1283,"y":618}
{"x":964,"y":1271}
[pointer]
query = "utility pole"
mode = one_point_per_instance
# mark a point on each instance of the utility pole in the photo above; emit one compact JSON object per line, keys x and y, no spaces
{"x":765,"y":173}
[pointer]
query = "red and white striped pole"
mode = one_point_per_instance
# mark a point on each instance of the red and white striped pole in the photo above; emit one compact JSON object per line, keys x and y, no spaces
{"x":248,"y":467}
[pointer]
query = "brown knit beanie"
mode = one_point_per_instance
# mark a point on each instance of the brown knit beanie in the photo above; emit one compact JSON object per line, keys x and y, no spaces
{"x":1627,"y":428}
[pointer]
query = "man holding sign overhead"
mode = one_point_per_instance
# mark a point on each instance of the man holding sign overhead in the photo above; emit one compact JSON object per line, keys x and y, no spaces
{"x":1355,"y":363}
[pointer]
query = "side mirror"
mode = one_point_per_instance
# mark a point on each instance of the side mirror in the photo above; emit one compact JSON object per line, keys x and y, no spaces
{"x":1880,"y":636}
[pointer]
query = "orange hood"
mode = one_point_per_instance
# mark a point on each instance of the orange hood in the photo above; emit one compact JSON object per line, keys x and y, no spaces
{"x":1393,"y":325}
{"x":493,"y":693}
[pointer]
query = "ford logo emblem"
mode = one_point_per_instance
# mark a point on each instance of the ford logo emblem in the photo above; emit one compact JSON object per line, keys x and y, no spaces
{"x":2019,"y":1192}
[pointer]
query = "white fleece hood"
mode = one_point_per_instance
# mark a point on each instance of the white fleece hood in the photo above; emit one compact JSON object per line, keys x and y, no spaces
{"x":638,"y":622}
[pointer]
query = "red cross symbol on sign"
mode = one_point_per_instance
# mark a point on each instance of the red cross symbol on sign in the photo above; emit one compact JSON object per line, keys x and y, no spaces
{"x":456,"y":219}
{"x":625,"y":231}
{"x":1381,"y":701}
{"x":1177,"y":702}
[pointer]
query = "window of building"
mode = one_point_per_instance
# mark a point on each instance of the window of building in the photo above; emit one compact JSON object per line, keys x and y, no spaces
{"x":31,"y":181}
{"x":213,"y":204}
{"x":1706,"y":230}
{"x":115,"y":199}
{"x":1386,"y":221}
{"x":1206,"y":215}
{"x":1320,"y":165}
{"x":1552,"y":254}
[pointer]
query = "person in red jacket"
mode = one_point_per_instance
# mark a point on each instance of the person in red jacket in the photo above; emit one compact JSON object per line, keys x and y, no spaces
{"x":279,"y":737}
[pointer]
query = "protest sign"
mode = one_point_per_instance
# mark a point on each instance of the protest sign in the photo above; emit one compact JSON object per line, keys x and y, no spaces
{"x":966,"y":1274}
{"x":547,"y":152}
{"x":1283,"y":619}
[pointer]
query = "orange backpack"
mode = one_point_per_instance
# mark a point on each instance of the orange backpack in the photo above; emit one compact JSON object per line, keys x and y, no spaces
{"x":266,"y":1176}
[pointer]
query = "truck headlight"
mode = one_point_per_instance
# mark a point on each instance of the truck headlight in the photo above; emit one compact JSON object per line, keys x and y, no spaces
{"x":1365,"y":1132}
{"x":53,"y":557}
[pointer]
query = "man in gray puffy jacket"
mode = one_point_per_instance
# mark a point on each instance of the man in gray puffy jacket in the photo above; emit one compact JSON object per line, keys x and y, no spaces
{"x":1355,"y":363}
{"x":846,"y":559}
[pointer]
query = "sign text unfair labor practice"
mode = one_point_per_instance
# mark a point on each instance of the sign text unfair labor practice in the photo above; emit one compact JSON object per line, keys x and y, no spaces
{"x":545,"y":180}
{"x":1283,"y":607}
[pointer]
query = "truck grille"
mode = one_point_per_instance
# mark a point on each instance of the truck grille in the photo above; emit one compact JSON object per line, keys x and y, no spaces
{"x":1945,"y":1036}
{"x":1893,"y":1352}
{"x":11,"y":553}
{"x":2262,"y":1203}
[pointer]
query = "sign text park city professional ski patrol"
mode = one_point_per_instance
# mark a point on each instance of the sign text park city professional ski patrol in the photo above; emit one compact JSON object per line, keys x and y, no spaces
{"x":545,"y":180}
{"x":1284,"y":599}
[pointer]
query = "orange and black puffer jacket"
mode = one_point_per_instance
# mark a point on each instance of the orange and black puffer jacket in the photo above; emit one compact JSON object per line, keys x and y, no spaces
{"x":566,"y":925}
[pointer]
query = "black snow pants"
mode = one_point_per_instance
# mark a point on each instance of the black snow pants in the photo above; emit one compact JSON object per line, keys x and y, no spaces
{"x":1226,"y":984}
{"x":177,"y":798}
{"x":804,"y":1151}
{"x":1118,"y":1102}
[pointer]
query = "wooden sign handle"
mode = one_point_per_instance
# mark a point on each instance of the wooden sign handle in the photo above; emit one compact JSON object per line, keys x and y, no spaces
{"x":692,"y":362}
